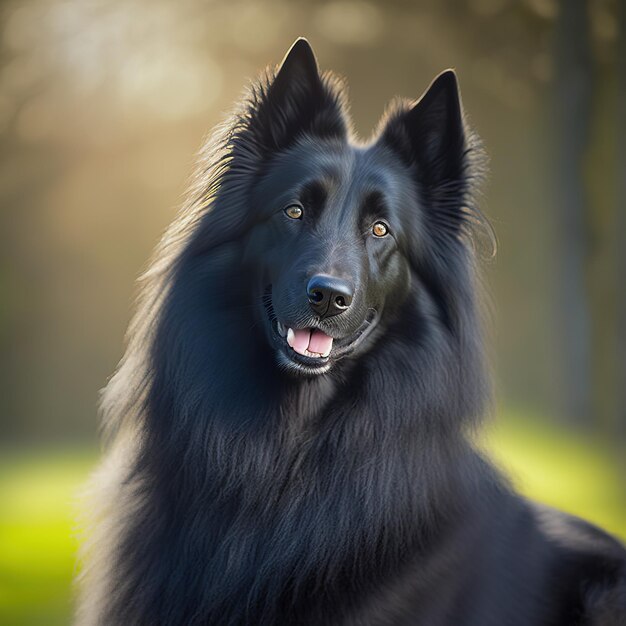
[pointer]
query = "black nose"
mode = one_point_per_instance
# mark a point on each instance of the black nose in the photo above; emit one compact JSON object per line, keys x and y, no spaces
{"x":328,"y":295}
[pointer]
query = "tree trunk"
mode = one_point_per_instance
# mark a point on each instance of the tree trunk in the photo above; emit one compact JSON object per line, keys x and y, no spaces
{"x":620,"y":287}
{"x":571,"y":124}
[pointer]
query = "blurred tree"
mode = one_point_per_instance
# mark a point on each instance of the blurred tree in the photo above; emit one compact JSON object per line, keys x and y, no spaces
{"x":574,"y":87}
{"x":620,"y":287}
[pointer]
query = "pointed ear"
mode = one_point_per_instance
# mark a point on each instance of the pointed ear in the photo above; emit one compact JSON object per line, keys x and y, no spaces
{"x":430,"y":135}
{"x":296,"y":102}
{"x":298,"y":70}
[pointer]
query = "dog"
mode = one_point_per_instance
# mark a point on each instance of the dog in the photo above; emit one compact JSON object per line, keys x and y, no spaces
{"x":289,"y":426}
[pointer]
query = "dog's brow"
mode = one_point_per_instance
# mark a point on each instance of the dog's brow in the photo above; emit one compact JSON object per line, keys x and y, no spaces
{"x":374,"y":203}
{"x":314,"y":193}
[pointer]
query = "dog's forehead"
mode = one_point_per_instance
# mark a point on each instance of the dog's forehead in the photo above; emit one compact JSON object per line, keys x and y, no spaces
{"x":338,"y":166}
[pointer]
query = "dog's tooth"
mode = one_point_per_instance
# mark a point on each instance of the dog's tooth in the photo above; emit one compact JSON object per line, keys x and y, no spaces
{"x":290,"y":336}
{"x":330,"y":347}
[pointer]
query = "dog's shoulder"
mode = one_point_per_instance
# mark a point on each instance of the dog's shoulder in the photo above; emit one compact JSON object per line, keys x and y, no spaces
{"x":576,"y":534}
{"x":591,"y":561}
{"x":605,"y":605}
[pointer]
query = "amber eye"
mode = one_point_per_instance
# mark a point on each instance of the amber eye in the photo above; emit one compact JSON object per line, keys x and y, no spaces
{"x":380,"y":229}
{"x":294,"y":211}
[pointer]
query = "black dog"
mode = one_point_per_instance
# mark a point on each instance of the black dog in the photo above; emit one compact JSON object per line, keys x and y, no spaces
{"x":289,"y":420}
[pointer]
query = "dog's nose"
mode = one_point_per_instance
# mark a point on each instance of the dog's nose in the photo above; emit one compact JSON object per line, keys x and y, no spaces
{"x":328,"y":295}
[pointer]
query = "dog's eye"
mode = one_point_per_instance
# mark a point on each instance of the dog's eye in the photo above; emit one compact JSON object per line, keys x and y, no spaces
{"x":380,"y":229}
{"x":294,"y":211}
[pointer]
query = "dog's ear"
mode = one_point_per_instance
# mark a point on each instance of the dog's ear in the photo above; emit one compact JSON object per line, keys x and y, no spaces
{"x":430,"y":135}
{"x":296,"y":102}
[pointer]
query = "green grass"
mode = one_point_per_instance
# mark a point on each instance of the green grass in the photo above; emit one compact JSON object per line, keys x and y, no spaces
{"x":38,"y":490}
{"x":570,"y":471}
{"x":37,"y":541}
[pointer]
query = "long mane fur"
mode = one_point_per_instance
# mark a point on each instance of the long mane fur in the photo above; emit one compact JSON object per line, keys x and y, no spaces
{"x":233,"y":496}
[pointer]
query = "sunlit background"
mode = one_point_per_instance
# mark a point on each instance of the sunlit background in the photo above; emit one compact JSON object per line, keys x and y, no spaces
{"x":102,"y":108}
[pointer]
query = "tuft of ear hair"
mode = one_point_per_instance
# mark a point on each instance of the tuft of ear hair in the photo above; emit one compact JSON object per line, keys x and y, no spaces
{"x":430,"y":134}
{"x":296,"y":100}
{"x":444,"y":156}
{"x":298,"y":69}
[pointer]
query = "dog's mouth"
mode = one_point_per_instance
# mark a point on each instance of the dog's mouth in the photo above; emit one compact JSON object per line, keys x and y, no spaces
{"x":310,"y":342}
{"x":310,"y":350}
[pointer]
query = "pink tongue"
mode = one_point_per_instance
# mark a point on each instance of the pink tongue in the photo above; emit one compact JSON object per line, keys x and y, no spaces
{"x":313,"y":341}
{"x":320,"y":342}
{"x":301,"y":339}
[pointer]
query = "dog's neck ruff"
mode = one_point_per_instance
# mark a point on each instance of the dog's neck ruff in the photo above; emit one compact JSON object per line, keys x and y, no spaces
{"x":332,"y":488}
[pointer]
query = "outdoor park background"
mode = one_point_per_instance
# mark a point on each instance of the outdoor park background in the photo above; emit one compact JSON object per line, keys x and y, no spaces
{"x":102,"y":107}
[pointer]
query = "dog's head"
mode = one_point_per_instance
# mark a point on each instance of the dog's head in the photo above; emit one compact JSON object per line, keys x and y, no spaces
{"x":339,"y":233}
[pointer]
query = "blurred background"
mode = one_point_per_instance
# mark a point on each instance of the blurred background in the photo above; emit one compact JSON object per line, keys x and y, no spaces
{"x":103,"y":105}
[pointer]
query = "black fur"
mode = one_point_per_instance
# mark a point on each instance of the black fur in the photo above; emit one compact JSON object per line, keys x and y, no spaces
{"x":247,"y":485}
